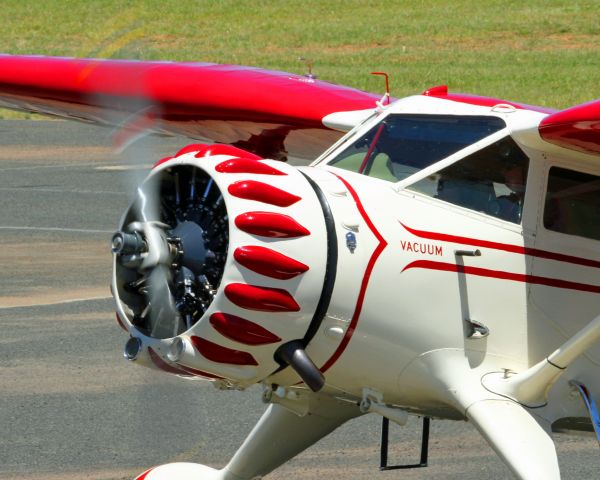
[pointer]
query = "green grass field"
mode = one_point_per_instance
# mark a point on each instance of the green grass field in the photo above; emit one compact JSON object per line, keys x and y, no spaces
{"x":535,"y":51}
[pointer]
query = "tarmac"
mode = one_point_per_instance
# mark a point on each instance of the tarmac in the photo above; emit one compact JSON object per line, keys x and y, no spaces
{"x":71,"y":407}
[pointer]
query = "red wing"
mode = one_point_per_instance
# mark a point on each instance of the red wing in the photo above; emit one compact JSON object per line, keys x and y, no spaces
{"x":263,"y":111}
{"x":576,"y":128}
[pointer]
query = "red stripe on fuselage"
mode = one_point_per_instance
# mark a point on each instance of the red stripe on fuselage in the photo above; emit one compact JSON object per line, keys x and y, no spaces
{"x":164,"y":366}
{"x":365,"y":281}
{"x":499,"y":274}
{"x":475,"y":242}
{"x":199,"y":373}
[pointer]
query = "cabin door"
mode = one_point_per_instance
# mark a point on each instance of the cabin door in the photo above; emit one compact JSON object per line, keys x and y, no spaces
{"x":565,"y":281}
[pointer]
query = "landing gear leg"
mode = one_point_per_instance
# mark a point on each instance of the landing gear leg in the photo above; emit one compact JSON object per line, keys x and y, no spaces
{"x":277,"y":437}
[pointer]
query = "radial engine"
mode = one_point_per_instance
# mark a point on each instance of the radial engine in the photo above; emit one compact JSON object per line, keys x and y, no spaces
{"x":224,"y":265}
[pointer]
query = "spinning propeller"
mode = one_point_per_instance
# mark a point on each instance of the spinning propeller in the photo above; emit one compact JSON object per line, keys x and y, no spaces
{"x":171,"y":250}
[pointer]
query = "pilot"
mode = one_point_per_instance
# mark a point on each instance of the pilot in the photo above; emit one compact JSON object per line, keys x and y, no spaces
{"x":510,"y":207}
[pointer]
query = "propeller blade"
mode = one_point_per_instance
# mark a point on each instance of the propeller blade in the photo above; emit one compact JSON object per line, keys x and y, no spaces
{"x":164,"y":320}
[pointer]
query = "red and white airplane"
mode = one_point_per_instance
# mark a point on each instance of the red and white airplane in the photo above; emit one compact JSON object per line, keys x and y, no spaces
{"x":440,"y":259}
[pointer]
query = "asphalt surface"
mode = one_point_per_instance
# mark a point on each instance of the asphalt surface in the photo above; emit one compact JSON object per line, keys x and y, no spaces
{"x":71,"y":407}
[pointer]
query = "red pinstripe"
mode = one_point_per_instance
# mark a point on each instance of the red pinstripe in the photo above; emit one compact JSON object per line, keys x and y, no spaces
{"x":533,"y":252}
{"x":365,"y":281}
{"x":499,"y":274}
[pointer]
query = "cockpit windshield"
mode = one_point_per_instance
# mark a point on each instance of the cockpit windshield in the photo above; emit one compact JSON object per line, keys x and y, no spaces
{"x":403,"y":144}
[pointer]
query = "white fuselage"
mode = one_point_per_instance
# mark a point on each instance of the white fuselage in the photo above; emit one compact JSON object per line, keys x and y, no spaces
{"x":404,"y":297}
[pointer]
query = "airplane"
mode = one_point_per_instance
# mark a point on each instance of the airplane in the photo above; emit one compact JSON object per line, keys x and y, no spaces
{"x":438,"y":258}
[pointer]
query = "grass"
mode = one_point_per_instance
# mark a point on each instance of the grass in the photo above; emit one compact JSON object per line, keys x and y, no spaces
{"x":539,"y":52}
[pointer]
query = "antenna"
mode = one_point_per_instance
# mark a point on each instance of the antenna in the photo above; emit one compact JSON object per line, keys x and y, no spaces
{"x":309,"y":65}
{"x":386,"y":97}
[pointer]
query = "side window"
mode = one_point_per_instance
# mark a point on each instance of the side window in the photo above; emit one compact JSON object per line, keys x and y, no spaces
{"x":491,"y":181}
{"x":573,"y":203}
{"x":403,"y":144}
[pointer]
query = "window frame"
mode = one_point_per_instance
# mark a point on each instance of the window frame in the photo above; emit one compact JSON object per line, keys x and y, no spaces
{"x":451,"y":160}
{"x":351,"y":136}
{"x":563,"y":164}
{"x":371,"y":122}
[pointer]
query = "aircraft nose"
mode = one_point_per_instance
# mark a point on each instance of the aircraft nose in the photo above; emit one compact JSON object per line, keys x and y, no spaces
{"x":241,"y":270}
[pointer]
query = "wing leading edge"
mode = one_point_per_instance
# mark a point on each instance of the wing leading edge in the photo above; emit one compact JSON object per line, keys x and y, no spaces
{"x":267,"y":112}
{"x":576,"y":128}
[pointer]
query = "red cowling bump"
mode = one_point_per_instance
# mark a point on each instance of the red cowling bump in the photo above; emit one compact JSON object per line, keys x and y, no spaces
{"x":269,"y":262}
{"x":268,"y":224}
{"x":220,"y":354}
{"x":262,"y":299}
{"x":262,"y":192}
{"x":222,"y":149}
{"x":241,"y":330}
{"x":247,"y":165}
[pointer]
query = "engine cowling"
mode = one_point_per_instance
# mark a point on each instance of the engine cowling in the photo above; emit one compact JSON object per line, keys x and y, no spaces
{"x":220,"y":266}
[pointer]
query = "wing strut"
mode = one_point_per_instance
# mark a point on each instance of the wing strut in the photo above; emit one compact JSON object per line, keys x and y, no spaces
{"x":590,"y":404}
{"x":278,"y":436}
{"x":520,"y":439}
